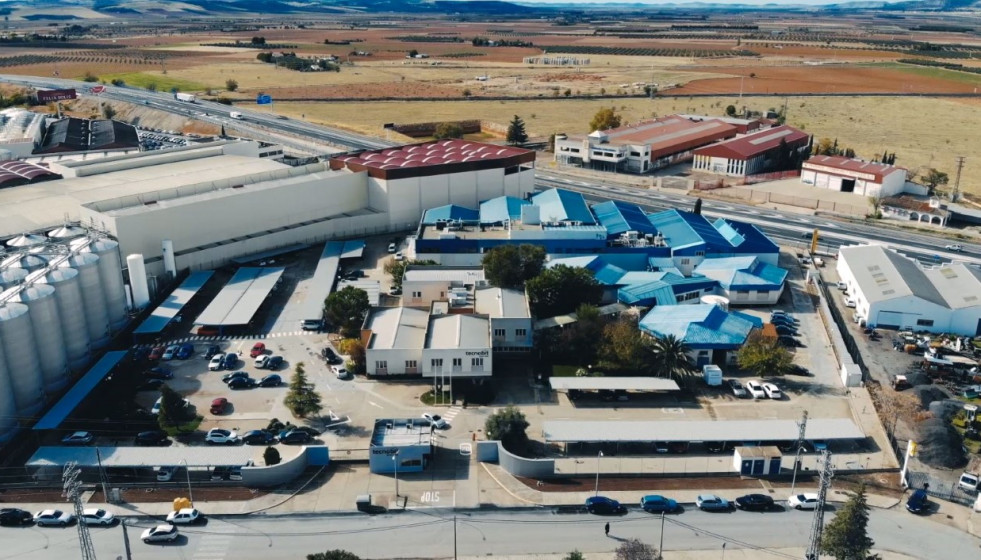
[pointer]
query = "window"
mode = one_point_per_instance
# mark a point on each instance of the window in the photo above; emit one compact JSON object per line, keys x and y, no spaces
{"x":699,"y":253}
{"x":416,"y":294}
{"x":635,"y":154}
{"x":520,"y":332}
{"x":457,"y":362}
{"x":477,"y":362}
{"x":442,"y":294}
{"x":381,"y":364}
{"x":437,"y":362}
{"x":685,"y":261}
{"x":498,"y":332}
{"x":410,"y":364}
{"x":689,"y":296}
{"x":924,"y":322}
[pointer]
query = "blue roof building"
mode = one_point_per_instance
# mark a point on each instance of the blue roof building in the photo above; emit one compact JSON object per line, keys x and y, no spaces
{"x":560,"y":205}
{"x":745,"y":280}
{"x":501,"y":209}
{"x":747,"y":238}
{"x":665,"y":288}
{"x":709,"y":330}
{"x":620,"y":217}
{"x":450,"y":213}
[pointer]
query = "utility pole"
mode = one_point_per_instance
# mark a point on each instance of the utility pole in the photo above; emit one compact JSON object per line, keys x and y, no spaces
{"x":72,"y":490}
{"x":102,"y":476}
{"x":454,"y":536}
{"x":801,"y":432}
{"x":957,"y":180}
{"x":660,"y":546}
{"x":741,"y":78}
{"x":817,"y":525}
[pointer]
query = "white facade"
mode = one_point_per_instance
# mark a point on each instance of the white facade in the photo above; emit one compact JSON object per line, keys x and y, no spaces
{"x":635,"y":158}
{"x":510,"y":318}
{"x":861,"y":183}
{"x":730,"y":167}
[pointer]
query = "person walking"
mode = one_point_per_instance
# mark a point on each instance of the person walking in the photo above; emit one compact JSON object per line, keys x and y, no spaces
{"x":607,"y":529}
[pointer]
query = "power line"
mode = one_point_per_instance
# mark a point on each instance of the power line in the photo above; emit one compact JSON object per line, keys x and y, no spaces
{"x":817,"y":525}
{"x":73,"y":491}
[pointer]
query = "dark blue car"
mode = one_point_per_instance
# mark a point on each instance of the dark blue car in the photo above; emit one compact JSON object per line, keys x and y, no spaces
{"x":229,"y":361}
{"x":185,"y":351}
{"x":603,"y":505}
{"x":917,"y":502}
{"x":657,"y":504}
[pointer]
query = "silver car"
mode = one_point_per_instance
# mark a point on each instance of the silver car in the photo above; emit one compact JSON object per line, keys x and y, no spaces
{"x":95,"y":516}
{"x":160,"y":533}
{"x":53,"y":518}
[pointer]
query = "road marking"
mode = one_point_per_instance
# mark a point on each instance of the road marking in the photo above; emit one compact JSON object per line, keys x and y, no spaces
{"x":451,"y":413}
{"x":375,"y":404}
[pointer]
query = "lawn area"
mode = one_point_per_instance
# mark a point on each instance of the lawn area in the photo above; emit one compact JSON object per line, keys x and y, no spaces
{"x":163,"y":82}
{"x":564,"y":371}
{"x":931,"y":72}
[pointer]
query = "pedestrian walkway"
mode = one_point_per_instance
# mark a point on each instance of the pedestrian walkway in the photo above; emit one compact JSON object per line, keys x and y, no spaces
{"x":213,"y":546}
{"x":196,"y":338}
{"x":451,"y":413}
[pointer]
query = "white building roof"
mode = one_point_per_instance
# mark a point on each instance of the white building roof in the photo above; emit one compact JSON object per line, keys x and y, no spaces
{"x":397,"y":327}
{"x":197,"y":456}
{"x":958,"y":284}
{"x":499,"y":302}
{"x":458,"y":331}
{"x":238,"y":301}
{"x":698,"y":430}
{"x":464,"y":275}
{"x":613,"y":383}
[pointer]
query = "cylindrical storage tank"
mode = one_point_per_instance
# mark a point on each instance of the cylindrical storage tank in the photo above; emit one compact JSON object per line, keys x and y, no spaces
{"x":137,"y":281}
{"x":11,"y":277}
{"x":8,"y":408}
{"x":29,"y":263}
{"x":170,"y":265}
{"x":46,"y":320}
{"x":23,"y":363}
{"x":111,"y":272}
{"x":721,"y":301}
{"x":66,"y":232}
{"x":93,"y":298}
{"x":71,"y":309}
{"x":26,"y":240}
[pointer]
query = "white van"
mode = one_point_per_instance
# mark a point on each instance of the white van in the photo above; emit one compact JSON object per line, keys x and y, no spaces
{"x":164,"y":474}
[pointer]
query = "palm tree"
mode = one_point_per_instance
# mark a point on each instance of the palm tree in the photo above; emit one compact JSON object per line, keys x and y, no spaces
{"x":670,"y":359}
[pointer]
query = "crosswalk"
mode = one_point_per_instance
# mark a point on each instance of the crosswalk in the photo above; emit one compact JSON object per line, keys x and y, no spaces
{"x":196,"y":338}
{"x":451,"y":413}
{"x":212,"y":547}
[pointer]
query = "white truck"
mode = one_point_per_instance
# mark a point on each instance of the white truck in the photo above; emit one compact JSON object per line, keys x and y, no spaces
{"x":185,"y":97}
{"x":236,"y":115}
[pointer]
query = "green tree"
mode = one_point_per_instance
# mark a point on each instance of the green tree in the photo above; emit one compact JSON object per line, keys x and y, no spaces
{"x":508,"y":426}
{"x":271,"y":456}
{"x":622,"y":346}
{"x":353,"y":348}
{"x":413,"y":53}
{"x":764,"y":356}
{"x":333,"y":555}
{"x":231,"y":85}
{"x":448,"y":130}
{"x":108,"y":111}
{"x":934,"y":178}
{"x":258,"y":40}
{"x":173,"y":410}
{"x":633,"y":549}
{"x":396,"y":269}
{"x":579,"y":343}
{"x":562,"y":289}
{"x":574,"y":555}
{"x":846,"y":536}
{"x":510,"y":266}
{"x":302,"y":399}
{"x":730,"y":110}
{"x":605,"y":119}
{"x":90,"y":77}
{"x":347,"y":309}
{"x":669,"y":358}
{"x":516,"y":131}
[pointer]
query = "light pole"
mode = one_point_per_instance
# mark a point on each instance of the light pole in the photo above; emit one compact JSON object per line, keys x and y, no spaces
{"x":187,"y":473}
{"x":395,"y":459}
{"x":793,"y":481}
{"x":600,"y":454}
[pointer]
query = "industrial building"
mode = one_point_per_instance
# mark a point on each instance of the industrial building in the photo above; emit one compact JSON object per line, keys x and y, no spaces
{"x":894,"y":291}
{"x":752,"y":153}
{"x":745,"y":280}
{"x":510,"y":318}
{"x":20,"y":131}
{"x":712,"y":332}
{"x":400,"y":445}
{"x":853,"y":176}
{"x":422,"y":285}
{"x":72,"y":134}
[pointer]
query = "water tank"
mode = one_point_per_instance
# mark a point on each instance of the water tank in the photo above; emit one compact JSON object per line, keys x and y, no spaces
{"x":66,"y":232}
{"x":71,"y":309}
{"x":46,"y":320}
{"x":23,"y":363}
{"x":170,"y":264}
{"x":721,"y":301}
{"x":26,"y":240}
{"x":11,"y":277}
{"x":111,"y":272}
{"x":8,"y":408}
{"x":29,"y":263}
{"x":137,"y":281}
{"x":93,"y":298}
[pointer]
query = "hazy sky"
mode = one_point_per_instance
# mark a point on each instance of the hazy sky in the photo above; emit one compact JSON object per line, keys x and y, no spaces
{"x":682,"y":2}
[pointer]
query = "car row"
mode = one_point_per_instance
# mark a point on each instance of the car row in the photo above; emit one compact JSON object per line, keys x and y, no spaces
{"x":760,"y":390}
{"x":242,"y":380}
{"x":656,"y":503}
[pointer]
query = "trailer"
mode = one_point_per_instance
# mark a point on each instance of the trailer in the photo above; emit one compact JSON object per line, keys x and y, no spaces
{"x":185,"y":97}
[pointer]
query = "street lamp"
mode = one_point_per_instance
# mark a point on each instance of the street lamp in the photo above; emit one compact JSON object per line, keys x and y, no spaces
{"x":793,"y":481}
{"x":395,"y":459}
{"x":596,"y":493}
{"x":187,"y":473}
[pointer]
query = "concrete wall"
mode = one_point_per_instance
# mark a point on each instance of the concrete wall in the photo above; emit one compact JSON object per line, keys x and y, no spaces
{"x":518,"y":466}
{"x":289,"y":469}
{"x":511,"y":325}
{"x":428,"y":291}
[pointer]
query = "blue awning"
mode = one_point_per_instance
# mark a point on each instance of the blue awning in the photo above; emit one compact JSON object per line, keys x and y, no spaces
{"x":77,"y":394}
{"x":353,"y":250}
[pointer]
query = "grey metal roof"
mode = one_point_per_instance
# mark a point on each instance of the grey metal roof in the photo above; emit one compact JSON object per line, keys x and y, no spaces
{"x":698,"y":430}
{"x":370,"y":287}
{"x":323,"y":280}
{"x":78,"y":392}
{"x":353,"y":250}
{"x":238,"y":301}
{"x":458,"y":331}
{"x":613,"y":383}
{"x":958,"y":284}
{"x":883,"y":274}
{"x":166,"y":311}
{"x":198,"y":456}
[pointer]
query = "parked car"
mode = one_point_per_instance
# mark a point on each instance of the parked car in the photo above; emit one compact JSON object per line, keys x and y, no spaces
{"x":14,"y":516}
{"x":185,"y":351}
{"x":156,"y":352}
{"x":220,"y":435}
{"x":226,"y":473}
{"x":216,"y":361}
{"x":274,"y":362}
{"x":168,"y":353}
{"x":261,"y":361}
{"x":711,"y":502}
{"x":781,"y":313}
{"x":341,"y":372}
{"x":95,"y":516}
{"x":603,"y":505}
{"x":208,"y":331}
{"x":754,"y":502}
{"x":399,"y":256}
{"x":788,"y":341}
{"x":151,"y":438}
{"x":53,"y":518}
{"x":242,"y":383}
{"x":803,"y":501}
{"x":258,"y":437}
{"x":156,"y":405}
{"x":783,"y":320}
{"x":656,"y":504}
{"x":392,"y":248}
{"x":772,"y":391}
{"x":78,"y":438}
{"x":212,"y":351}
{"x":435,"y":420}
{"x":715,"y":446}
{"x":184,"y":516}
{"x":849,"y":302}
{"x":737,"y":388}
{"x":219,"y":405}
{"x":331,"y":356}
{"x":294,"y":436}
{"x":159,"y":372}
{"x":954,"y":247}
{"x":784,"y":330}
{"x":969,"y":482}
{"x":229,"y":361}
{"x":227,"y":378}
{"x":165,"y":474}
{"x":660,"y":446}
{"x":258,"y":349}
{"x":161,"y":533}
{"x":755,"y":389}
{"x":273,"y":380}
{"x":917,"y":502}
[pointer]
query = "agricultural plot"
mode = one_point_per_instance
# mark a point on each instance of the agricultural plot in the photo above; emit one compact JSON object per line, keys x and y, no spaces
{"x":628,"y":51}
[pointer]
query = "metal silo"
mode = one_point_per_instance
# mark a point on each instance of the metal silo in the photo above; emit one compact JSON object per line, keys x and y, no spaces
{"x":11,"y":277}
{"x":46,"y":320}
{"x":29,"y":263}
{"x":94,"y":300}
{"x":8,"y":408}
{"x":71,"y":309}
{"x":23,"y":364}
{"x":111,"y":272}
{"x":26,"y":240}
{"x":66,"y":232}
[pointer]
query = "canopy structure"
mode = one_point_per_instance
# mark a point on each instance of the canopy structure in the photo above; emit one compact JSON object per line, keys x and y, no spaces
{"x":569,"y":431}
{"x":77,"y":394}
{"x":323,"y":281}
{"x":166,"y":311}
{"x":270,"y":253}
{"x":613,"y":384}
{"x":238,"y":301}
{"x":353,"y":250}
{"x":135,"y":457}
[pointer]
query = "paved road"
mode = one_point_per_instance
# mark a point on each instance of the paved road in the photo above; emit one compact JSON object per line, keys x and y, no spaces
{"x":429,"y":534}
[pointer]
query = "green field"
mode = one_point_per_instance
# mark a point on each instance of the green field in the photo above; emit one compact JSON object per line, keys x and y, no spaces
{"x":930,"y":72}
{"x":163,"y":83}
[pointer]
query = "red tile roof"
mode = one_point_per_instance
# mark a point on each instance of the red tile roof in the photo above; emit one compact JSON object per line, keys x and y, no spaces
{"x":13,"y":173}
{"x":755,"y":144}
{"x":851,"y":167}
{"x":441,"y":156}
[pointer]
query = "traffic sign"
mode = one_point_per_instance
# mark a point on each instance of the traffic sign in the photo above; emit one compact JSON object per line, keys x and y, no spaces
{"x":263,"y":99}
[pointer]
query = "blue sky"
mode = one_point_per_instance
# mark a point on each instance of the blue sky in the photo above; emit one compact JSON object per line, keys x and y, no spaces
{"x":682,"y":2}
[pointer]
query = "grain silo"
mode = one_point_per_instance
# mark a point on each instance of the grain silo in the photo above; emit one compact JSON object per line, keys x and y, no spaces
{"x":11,"y":277}
{"x":8,"y":408}
{"x":66,"y":232}
{"x":93,"y":298}
{"x":111,"y":273}
{"x":26,"y":240}
{"x":71,"y":309}
{"x":23,"y":363}
{"x":46,"y":320}
{"x":29,"y":263}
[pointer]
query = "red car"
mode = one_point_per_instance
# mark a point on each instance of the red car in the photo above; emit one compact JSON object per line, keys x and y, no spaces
{"x":157,"y":352}
{"x":219,"y":405}
{"x":208,"y":331}
{"x":258,"y":349}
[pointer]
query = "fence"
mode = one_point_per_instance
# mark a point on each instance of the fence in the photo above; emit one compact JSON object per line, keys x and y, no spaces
{"x":850,"y":345}
{"x":774,"y":176}
{"x":944,"y":490}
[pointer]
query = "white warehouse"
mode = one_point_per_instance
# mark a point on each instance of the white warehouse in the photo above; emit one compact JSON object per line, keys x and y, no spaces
{"x":893,"y":291}
{"x":853,"y":176}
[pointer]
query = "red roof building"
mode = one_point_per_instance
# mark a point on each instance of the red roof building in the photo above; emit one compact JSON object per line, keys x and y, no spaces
{"x":853,"y":175}
{"x":14,"y":173}
{"x":435,"y":158}
{"x":749,"y":154}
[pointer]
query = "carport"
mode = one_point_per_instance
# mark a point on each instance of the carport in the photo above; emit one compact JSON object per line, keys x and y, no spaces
{"x":79,"y":391}
{"x":353,"y":250}
{"x":238,"y":301}
{"x":322,"y":283}
{"x":164,"y":313}
{"x":48,"y":462}
{"x":647,"y":384}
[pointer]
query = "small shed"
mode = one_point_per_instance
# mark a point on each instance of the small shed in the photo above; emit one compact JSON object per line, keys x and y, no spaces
{"x":757,"y":461}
